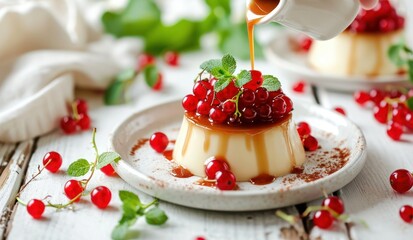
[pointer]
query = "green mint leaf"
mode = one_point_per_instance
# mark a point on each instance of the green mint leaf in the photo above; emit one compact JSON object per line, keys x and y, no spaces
{"x":151,"y":75}
{"x":120,"y":232}
{"x":243,"y":77}
{"x":271,"y":83}
{"x":184,"y":35}
{"x":78,"y":168}
{"x":115,"y":93}
{"x":221,"y":84}
{"x":395,"y":54}
{"x":136,"y":19}
{"x":155,"y":216}
{"x":410,"y":69}
{"x":129,"y":216}
{"x":219,"y":72}
{"x":107,"y":158}
{"x":229,"y":63}
{"x":409,"y":103}
{"x":211,"y":64}
{"x":129,"y":196}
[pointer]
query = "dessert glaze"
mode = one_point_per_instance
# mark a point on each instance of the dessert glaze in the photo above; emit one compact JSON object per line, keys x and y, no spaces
{"x":251,"y":151}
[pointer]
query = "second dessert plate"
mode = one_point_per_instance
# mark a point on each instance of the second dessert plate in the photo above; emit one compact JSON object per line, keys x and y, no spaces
{"x":338,"y":161}
{"x":294,"y":66}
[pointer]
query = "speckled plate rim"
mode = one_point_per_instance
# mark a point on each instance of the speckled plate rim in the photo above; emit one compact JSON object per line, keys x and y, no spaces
{"x":275,"y":50}
{"x":353,"y":166}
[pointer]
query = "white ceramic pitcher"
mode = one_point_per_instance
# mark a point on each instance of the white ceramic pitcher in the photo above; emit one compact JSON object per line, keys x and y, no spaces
{"x":320,"y":19}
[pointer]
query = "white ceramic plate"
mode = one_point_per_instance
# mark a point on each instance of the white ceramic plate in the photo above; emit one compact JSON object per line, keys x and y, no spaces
{"x":293,"y":65}
{"x":149,"y":171}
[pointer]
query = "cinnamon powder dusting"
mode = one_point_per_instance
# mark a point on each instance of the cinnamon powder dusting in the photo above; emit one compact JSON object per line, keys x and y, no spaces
{"x":326,"y":163}
{"x":138,"y":145}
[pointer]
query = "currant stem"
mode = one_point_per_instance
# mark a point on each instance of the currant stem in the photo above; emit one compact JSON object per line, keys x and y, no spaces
{"x":21,"y":201}
{"x":288,"y":218}
{"x":155,"y":201}
{"x":75,"y":112}
{"x":62,"y":206}
{"x":317,"y":208}
{"x":95,"y":162}
{"x":40,"y":170}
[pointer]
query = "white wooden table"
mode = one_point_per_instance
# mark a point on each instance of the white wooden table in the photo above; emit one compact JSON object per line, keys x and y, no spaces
{"x":368,"y":197}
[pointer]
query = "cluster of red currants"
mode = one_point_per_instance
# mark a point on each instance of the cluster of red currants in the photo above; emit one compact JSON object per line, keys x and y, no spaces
{"x":310,"y":143}
{"x":401,"y":181}
{"x":325,"y":218}
{"x":382,"y":18}
{"x":100,"y":196}
{"x":389,"y":108}
{"x":237,"y":106}
{"x":146,"y":59}
{"x":218,"y":169}
{"x":78,"y":119}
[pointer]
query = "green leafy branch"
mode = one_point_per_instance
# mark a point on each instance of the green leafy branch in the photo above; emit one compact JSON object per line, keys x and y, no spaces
{"x":133,"y":208}
{"x":81,"y":166}
{"x":116,"y":92}
{"x":401,"y":55}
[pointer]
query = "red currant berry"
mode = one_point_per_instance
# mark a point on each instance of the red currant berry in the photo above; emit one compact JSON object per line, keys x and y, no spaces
{"x":203,"y":108}
{"x":108,"y":170}
{"x":261,"y":95}
{"x":68,"y":125}
{"x":229,"y":107}
{"x":159,"y":141}
{"x":159,"y":83}
{"x":247,"y":98}
{"x":172,"y":58}
{"x":299,"y":86}
{"x":358,"y":26}
{"x":145,"y":60}
{"x":406,"y":213}
{"x":305,"y":44}
{"x":408,"y":121}
{"x":264,"y":111}
{"x":225,"y":180}
{"x":189,"y":103}
{"x":381,"y":112}
{"x":376,"y":95}
{"x":216,"y":115}
{"x":401,"y":180}
{"x":323,"y":219}
{"x":394,"y":130}
{"x":73,"y":190}
{"x":81,"y":106}
{"x":248,"y":114}
{"x":84,"y":122}
{"x":288,"y":102}
{"x":340,"y":110}
{"x":213,"y":165}
{"x":256,"y":80}
{"x":334,"y":203}
{"x":387,"y":25}
{"x":400,"y":22}
{"x":303,"y":129}
{"x":52,"y":161}
{"x":101,"y":197}
{"x":279,"y":106}
{"x":310,"y":143}
{"x":200,"y":91}
{"x":35,"y":208}
{"x":361,"y":97}
{"x":228,"y":93}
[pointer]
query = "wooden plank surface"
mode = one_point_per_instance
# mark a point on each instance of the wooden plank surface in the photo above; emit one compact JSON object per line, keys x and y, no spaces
{"x":11,"y":177}
{"x":369,"y":197}
{"x":87,"y":222}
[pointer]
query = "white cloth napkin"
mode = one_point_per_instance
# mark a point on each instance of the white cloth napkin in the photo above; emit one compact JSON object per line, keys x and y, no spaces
{"x":47,"y":47}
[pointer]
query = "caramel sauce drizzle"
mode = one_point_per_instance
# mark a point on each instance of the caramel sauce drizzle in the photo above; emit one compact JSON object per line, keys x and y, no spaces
{"x":207,"y":141}
{"x":187,"y":138}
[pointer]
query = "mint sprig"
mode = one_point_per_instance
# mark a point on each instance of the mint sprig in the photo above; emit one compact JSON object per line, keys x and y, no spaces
{"x":132,"y":209}
{"x":401,"y":55}
{"x":223,"y":70}
{"x":78,"y":168}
